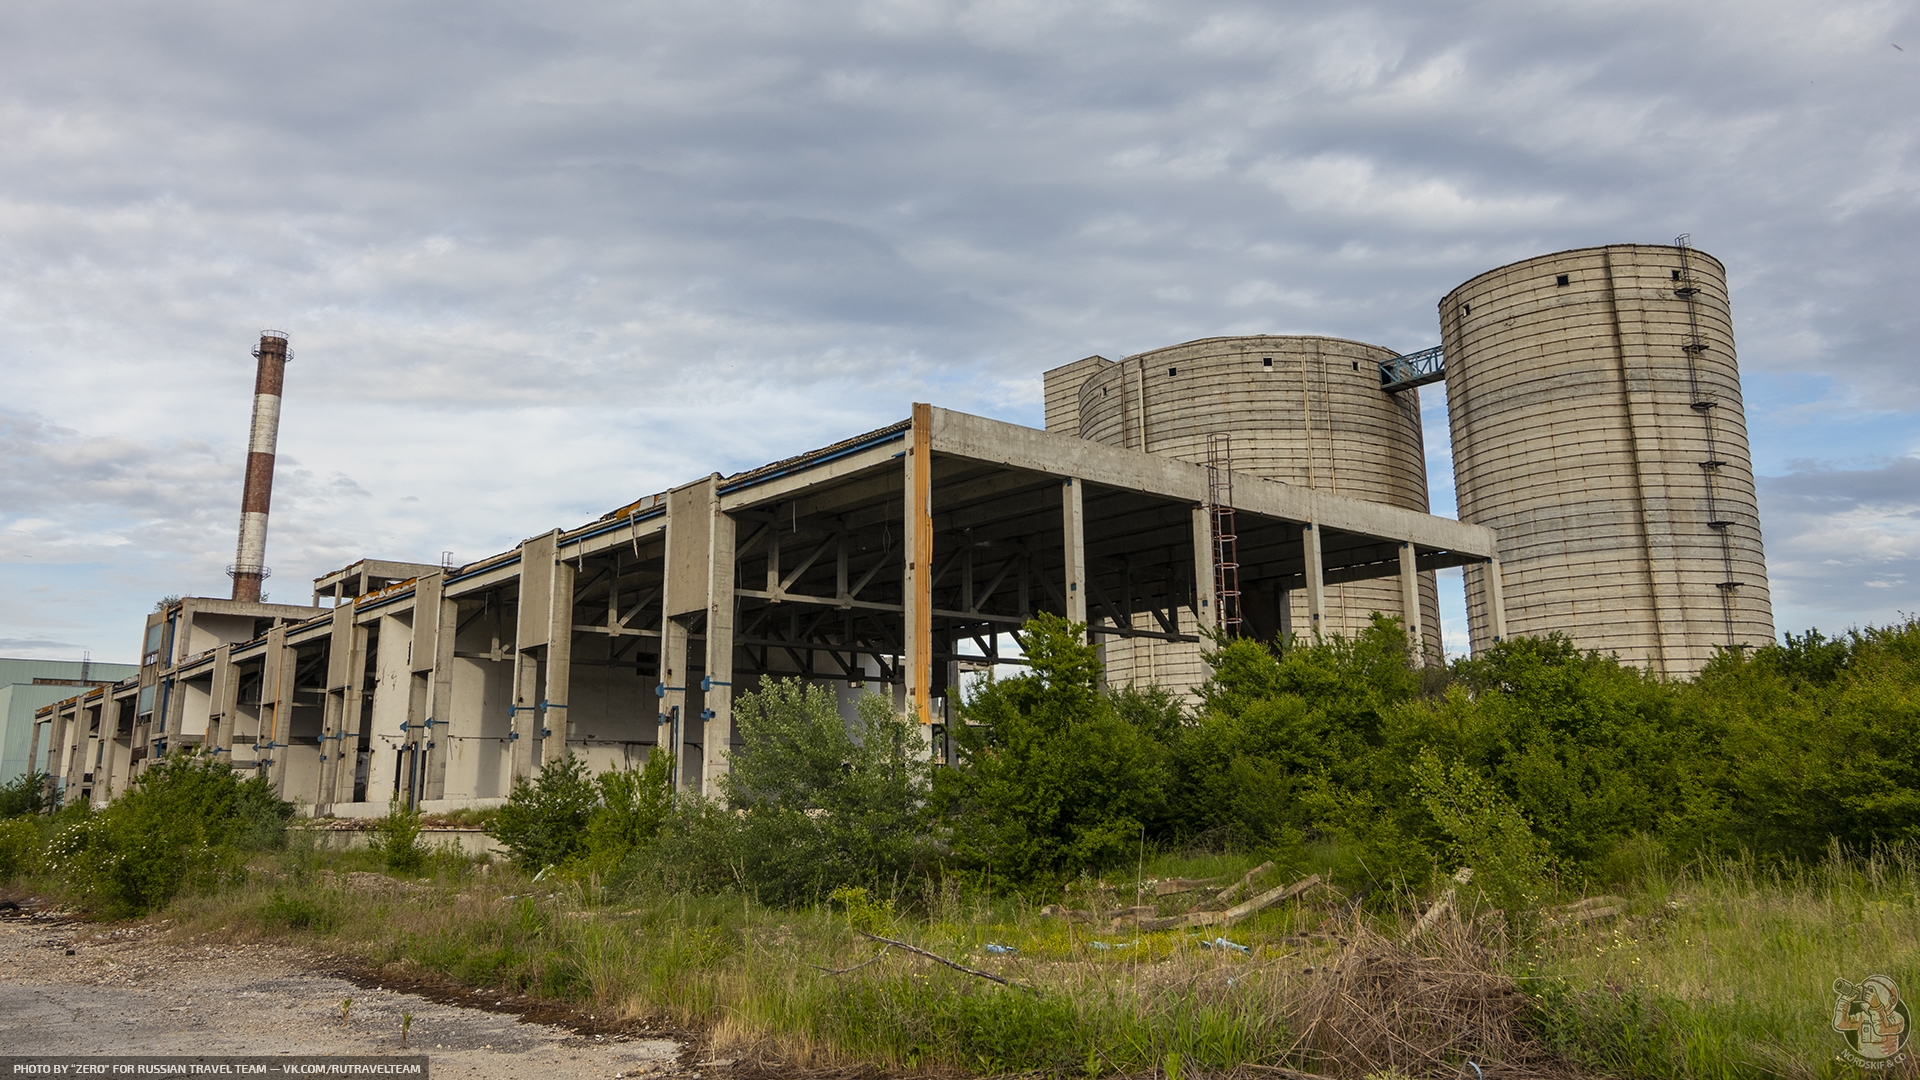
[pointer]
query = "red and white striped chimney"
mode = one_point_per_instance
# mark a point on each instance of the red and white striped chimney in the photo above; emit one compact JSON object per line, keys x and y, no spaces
{"x":250,"y":558}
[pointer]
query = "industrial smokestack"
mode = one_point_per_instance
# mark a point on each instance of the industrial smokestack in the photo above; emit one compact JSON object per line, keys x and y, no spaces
{"x":249,"y":559}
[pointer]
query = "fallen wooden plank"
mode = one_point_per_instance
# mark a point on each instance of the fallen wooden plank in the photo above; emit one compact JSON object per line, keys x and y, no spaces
{"x":1440,"y":907}
{"x":1171,"y":886}
{"x":1233,"y":891}
{"x":1233,"y":914}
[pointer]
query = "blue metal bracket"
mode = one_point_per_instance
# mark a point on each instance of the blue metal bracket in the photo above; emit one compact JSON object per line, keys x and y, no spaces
{"x":707,"y":714}
{"x":661,"y":689}
{"x":710,"y":682}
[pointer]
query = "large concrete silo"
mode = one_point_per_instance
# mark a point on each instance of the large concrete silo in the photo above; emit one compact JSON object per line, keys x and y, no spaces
{"x":1308,"y":411}
{"x":1597,"y":426}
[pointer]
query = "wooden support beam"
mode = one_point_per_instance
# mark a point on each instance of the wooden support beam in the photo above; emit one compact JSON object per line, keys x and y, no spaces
{"x":918,"y":582}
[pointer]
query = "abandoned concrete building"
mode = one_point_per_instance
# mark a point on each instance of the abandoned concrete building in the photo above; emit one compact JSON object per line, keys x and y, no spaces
{"x":1261,"y":486}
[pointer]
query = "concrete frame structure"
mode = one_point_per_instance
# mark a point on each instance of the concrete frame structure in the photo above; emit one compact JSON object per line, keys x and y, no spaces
{"x":1597,"y":427}
{"x":868,"y":562}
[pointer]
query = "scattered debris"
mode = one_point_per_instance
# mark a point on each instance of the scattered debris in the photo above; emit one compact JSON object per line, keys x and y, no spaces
{"x":1000,"y":950}
{"x":1223,"y":943}
{"x":936,"y":957}
{"x":1588,"y":910}
{"x":1233,"y":914}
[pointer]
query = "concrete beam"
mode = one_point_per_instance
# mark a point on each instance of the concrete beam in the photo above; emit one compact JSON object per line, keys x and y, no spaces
{"x":1410,"y":601}
{"x":1205,"y":602}
{"x":1316,"y":581}
{"x":980,"y":439}
{"x":716,"y":736}
{"x":1073,"y":520}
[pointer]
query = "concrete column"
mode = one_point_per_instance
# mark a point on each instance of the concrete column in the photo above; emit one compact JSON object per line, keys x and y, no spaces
{"x":673,"y":696}
{"x":554,"y":698}
{"x":918,"y":592}
{"x":532,"y":627}
{"x":717,"y":738}
{"x":526,"y":709}
{"x":225,"y":703}
{"x":1316,"y":581}
{"x":333,"y":721}
{"x":353,"y":698}
{"x":1410,"y":603}
{"x":285,"y":673}
{"x":1496,"y":601}
{"x":686,"y":595}
{"x":110,"y":753}
{"x":1205,"y":610}
{"x":1073,"y":521}
{"x":435,"y":612}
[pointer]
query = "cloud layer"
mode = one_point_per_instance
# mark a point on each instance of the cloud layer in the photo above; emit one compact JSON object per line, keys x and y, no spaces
{"x":536,"y":261}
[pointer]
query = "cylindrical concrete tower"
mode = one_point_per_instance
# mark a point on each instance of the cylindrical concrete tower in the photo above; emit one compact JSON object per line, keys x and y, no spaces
{"x":1597,"y":427}
{"x":250,"y":557}
{"x":1301,"y":410}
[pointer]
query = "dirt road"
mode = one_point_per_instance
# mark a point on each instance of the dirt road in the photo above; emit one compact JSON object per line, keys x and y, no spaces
{"x":76,"y":988}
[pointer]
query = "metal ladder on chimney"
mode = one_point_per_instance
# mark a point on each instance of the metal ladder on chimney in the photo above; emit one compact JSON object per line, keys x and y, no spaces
{"x":1703,"y":403}
{"x":1226,"y":545}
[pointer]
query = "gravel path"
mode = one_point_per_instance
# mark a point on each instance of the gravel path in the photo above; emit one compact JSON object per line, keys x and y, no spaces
{"x":76,"y":988}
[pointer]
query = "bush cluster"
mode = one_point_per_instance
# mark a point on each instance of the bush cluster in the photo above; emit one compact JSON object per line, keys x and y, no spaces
{"x":1529,"y":760}
{"x":188,"y":821}
{"x":567,"y":819}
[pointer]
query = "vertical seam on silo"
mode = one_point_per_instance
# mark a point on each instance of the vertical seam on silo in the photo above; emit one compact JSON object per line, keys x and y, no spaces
{"x":1143,"y":404}
{"x":1633,"y":449}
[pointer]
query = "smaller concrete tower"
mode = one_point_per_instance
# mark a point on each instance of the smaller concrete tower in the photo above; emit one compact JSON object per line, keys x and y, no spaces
{"x":250,"y":557}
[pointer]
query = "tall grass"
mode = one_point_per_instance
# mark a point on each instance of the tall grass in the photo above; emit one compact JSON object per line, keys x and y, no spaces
{"x":774,"y":986}
{"x":1725,"y":968}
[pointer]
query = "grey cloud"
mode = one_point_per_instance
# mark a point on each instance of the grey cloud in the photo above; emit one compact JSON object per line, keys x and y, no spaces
{"x":34,"y":643}
{"x":1843,"y":544}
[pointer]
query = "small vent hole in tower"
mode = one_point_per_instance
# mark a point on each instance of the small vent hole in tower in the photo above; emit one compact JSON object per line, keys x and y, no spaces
{"x":1561,"y":280}
{"x":1172,"y":371}
{"x":1266,"y":361}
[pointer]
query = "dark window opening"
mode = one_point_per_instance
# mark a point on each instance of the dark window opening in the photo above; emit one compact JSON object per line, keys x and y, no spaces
{"x":1266,"y":361}
{"x":1466,"y":309}
{"x":1561,"y":280}
{"x":1173,"y":371}
{"x":1356,"y":365}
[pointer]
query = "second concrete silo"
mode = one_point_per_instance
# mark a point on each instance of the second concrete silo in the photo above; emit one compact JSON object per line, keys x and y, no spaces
{"x":1597,"y":423}
{"x":1308,"y":411}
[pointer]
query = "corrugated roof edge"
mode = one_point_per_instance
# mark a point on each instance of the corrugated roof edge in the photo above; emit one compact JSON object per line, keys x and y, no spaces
{"x":813,"y":457}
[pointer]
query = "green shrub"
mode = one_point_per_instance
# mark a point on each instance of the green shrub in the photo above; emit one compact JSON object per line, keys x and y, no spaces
{"x":1051,"y":779}
{"x":545,"y":823}
{"x":813,"y":803}
{"x":187,"y":822}
{"x":396,"y":837}
{"x":23,"y":795}
{"x":19,"y":848}
{"x":634,"y":804}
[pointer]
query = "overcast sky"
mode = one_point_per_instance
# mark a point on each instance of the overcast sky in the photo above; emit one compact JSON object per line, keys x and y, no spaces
{"x":537,"y":260}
